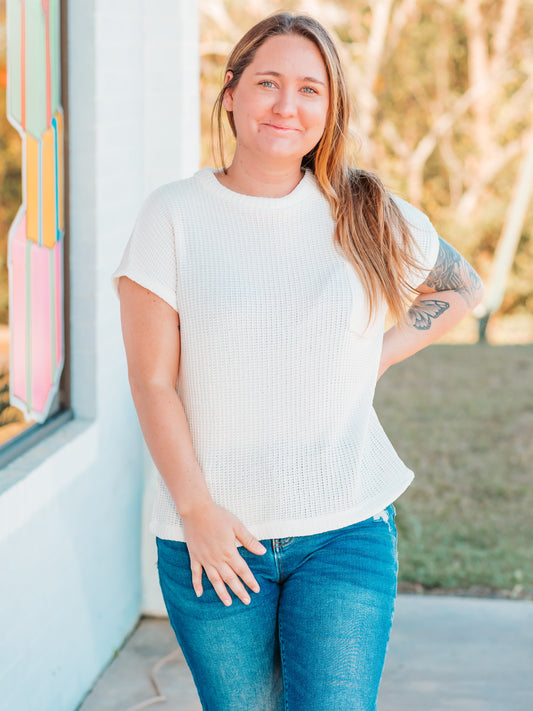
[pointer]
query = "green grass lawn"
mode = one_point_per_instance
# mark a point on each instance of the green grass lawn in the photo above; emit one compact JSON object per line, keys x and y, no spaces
{"x":461,"y":416}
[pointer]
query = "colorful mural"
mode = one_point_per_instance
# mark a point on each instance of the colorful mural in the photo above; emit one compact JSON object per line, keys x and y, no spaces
{"x":35,"y":251}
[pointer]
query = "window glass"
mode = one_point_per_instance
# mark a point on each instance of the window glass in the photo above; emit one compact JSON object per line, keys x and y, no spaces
{"x":32,"y":220}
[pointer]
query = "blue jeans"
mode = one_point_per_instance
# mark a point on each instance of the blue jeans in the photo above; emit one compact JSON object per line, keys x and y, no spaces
{"x":313,"y":639}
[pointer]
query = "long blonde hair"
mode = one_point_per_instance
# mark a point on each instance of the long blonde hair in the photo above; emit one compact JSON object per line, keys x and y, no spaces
{"x":369,"y":227}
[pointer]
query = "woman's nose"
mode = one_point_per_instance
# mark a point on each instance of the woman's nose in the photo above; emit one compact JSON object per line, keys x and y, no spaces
{"x":285,"y":104}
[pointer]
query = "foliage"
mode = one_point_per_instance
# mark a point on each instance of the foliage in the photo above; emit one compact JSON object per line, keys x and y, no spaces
{"x":462,"y":418}
{"x":12,"y":420}
{"x":8,"y":414}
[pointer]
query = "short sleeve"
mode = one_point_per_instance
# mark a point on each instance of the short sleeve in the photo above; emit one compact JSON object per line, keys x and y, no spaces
{"x":426,"y":240}
{"x":150,"y":255}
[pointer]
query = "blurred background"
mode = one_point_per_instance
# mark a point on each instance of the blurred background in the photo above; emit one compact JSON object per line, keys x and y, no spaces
{"x":443,"y":108}
{"x":443,"y":111}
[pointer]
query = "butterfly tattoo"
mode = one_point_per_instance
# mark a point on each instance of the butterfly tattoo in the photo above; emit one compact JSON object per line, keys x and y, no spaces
{"x":420,"y":315}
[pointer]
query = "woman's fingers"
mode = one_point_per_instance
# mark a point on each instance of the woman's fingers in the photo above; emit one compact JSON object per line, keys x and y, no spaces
{"x":248,"y":540}
{"x":233,"y":575}
{"x":196,"y":570}
{"x":226,"y":576}
{"x":218,"y":585}
{"x":244,"y":572}
{"x":234,"y":582}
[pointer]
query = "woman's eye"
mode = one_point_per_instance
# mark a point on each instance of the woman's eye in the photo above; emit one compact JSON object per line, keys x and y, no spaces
{"x":309,"y":90}
{"x":266,"y":83}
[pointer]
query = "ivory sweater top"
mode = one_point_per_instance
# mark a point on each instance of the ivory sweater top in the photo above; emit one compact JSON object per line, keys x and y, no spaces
{"x":277,"y":372}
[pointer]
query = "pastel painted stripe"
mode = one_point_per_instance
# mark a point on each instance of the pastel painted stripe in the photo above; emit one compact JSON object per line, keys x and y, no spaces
{"x":46,"y":10}
{"x":17,"y":311}
{"x":60,"y":172}
{"x":58,"y":305}
{"x":23,"y":64}
{"x":28,"y":340}
{"x":48,"y":189}
{"x":53,"y":322}
{"x":40,"y":192}
{"x":41,"y":317}
{"x":31,"y":180}
{"x":54,"y":14}
{"x":56,"y":177}
{"x":35,"y":80}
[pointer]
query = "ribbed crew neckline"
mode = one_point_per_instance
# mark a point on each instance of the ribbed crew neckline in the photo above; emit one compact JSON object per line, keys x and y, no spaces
{"x":304,"y":189}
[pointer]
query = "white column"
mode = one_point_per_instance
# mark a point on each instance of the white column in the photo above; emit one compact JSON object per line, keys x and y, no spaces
{"x":171,"y":151}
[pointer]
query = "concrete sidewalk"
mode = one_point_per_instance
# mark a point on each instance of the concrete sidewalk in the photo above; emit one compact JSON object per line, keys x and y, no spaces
{"x":465,"y":654}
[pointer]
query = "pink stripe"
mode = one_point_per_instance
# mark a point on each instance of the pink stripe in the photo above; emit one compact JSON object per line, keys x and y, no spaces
{"x":58,"y":258}
{"x":41,"y":314}
{"x":17,"y":311}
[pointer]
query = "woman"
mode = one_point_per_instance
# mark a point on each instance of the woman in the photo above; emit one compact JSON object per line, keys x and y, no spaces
{"x":253,"y":302}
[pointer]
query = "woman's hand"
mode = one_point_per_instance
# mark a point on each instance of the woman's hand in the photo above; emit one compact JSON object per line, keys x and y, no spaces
{"x":211,"y":533}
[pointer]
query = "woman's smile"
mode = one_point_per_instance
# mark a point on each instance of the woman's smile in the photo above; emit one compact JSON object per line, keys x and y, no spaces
{"x":281,"y":129}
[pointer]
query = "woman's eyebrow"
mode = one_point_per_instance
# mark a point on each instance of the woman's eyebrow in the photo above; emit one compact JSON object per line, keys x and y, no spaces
{"x":277,"y":74}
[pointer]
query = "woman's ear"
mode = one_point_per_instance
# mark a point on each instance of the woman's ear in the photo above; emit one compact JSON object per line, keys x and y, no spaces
{"x":227,"y":100}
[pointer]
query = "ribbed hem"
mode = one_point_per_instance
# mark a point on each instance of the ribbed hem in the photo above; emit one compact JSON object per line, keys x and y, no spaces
{"x":286,"y":529}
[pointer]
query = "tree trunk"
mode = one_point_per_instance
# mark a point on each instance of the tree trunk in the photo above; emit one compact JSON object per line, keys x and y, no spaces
{"x":508,"y":242}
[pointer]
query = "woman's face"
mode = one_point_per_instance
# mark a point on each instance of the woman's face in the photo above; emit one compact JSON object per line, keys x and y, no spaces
{"x":281,"y":101}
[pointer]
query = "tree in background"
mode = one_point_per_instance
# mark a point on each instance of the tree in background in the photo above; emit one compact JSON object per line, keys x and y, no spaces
{"x":444,"y":112}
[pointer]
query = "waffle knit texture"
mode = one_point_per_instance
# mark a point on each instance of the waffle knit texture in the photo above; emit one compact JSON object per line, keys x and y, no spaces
{"x":277,"y":370}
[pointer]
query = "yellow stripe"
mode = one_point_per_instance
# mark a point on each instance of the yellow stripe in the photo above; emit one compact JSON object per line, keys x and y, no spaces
{"x":32,"y":188}
{"x":48,"y":179}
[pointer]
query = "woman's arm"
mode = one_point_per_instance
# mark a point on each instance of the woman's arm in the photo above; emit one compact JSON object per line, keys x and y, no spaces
{"x":451,"y":290}
{"x":151,"y":334}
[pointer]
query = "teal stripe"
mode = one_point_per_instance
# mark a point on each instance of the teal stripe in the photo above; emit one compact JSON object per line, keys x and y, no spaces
{"x":29,"y":385}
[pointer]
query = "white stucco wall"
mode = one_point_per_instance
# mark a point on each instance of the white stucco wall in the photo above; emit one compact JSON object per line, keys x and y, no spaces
{"x":171,"y":150}
{"x":70,"y":508}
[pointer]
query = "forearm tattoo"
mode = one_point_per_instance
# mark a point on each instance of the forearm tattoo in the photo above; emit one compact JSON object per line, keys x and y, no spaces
{"x":450,"y":273}
{"x":421,"y":313}
{"x":453,"y":272}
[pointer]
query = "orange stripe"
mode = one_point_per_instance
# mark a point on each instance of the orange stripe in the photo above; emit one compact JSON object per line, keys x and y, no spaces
{"x":48,"y":189}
